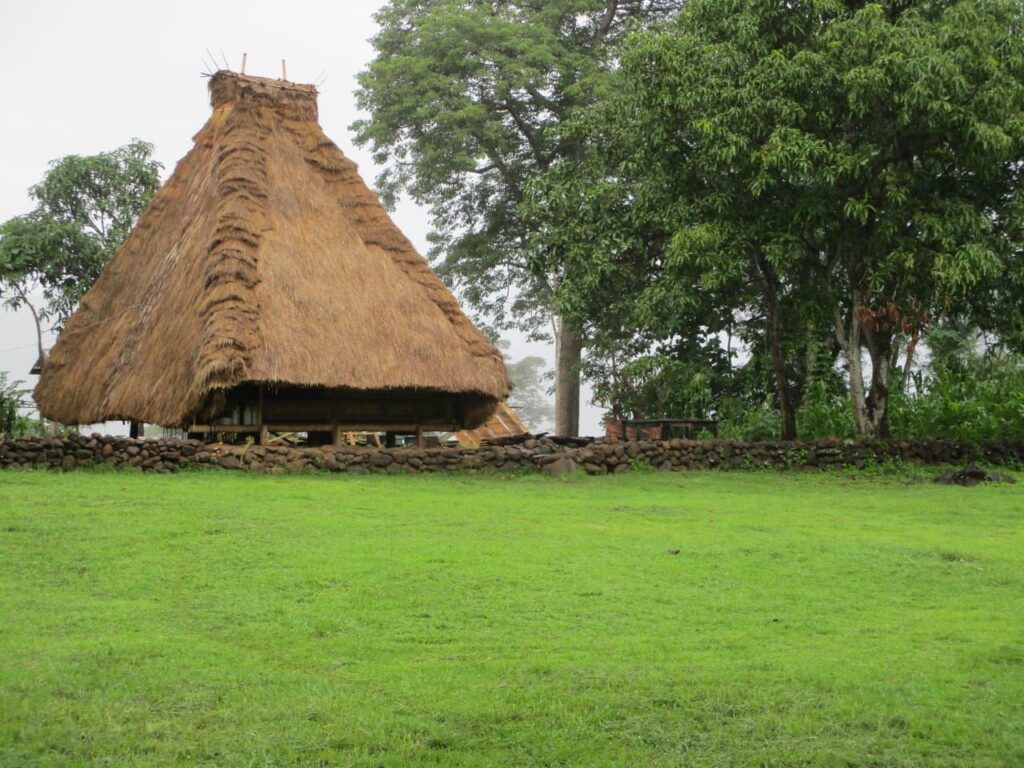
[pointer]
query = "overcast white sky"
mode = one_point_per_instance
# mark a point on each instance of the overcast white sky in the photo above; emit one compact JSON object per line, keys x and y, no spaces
{"x":85,"y":77}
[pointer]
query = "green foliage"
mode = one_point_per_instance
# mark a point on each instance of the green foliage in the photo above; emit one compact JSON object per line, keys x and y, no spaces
{"x":825,"y":413}
{"x":657,"y":619}
{"x":856,"y":164}
{"x":13,"y":400}
{"x":656,"y":386}
{"x":85,"y":207}
{"x":982,"y":399}
{"x":739,"y":420}
{"x":639,"y":465}
{"x":465,"y":100}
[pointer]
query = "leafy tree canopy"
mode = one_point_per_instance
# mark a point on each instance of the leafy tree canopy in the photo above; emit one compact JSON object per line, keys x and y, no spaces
{"x":85,"y":207}
{"x":465,"y":99}
{"x":863,"y":159}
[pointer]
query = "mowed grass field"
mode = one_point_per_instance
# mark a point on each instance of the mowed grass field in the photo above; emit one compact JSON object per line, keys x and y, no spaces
{"x":704,"y":619}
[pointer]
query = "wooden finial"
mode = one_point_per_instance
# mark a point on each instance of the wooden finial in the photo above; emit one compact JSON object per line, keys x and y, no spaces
{"x":284,"y":70}
{"x":244,"y":57}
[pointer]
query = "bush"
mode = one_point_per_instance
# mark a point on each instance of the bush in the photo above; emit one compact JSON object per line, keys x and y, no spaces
{"x":660,"y":386}
{"x":13,"y":398}
{"x":981,"y":399}
{"x":761,"y":422}
{"x":825,"y":414}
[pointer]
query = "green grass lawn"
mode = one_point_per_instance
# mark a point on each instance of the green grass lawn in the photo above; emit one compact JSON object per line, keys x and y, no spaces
{"x":704,"y":619}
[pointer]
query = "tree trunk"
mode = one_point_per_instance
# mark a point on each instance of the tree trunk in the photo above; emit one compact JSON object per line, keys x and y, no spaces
{"x":871,"y":406}
{"x":849,"y":342}
{"x":773,"y":334}
{"x":39,"y":327}
{"x":908,"y":364}
{"x":568,"y":354}
{"x":857,"y":392}
{"x":879,"y":350}
{"x":41,"y":360}
{"x":857,"y":395}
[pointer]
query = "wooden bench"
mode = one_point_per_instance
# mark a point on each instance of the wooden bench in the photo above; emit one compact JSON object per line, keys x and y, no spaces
{"x":665,"y":429}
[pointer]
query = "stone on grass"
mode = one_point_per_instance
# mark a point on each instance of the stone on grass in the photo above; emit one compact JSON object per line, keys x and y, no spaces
{"x":972,"y":475}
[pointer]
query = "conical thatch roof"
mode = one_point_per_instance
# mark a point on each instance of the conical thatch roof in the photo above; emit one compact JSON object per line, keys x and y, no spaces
{"x":264,"y":258}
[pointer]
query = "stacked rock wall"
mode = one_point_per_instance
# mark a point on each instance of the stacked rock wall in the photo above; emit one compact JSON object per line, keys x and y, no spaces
{"x":600,"y":457}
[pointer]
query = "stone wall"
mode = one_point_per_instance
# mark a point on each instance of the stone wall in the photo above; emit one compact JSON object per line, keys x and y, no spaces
{"x":545,"y":455}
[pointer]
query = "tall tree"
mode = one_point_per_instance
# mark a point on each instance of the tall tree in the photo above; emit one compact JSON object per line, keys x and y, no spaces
{"x":855,"y":161}
{"x":658,"y":223}
{"x":85,"y":207}
{"x":465,"y":98}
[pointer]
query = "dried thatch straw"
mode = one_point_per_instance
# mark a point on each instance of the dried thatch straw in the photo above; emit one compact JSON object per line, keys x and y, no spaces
{"x":504,"y":422}
{"x":264,"y":258}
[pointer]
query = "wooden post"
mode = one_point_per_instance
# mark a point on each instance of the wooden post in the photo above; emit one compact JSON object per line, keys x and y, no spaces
{"x":262,"y":438}
{"x":336,"y":435}
{"x":136,"y":430}
{"x":419,"y":436}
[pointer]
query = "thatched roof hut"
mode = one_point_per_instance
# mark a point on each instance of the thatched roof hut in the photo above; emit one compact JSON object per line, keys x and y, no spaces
{"x":265,"y":282}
